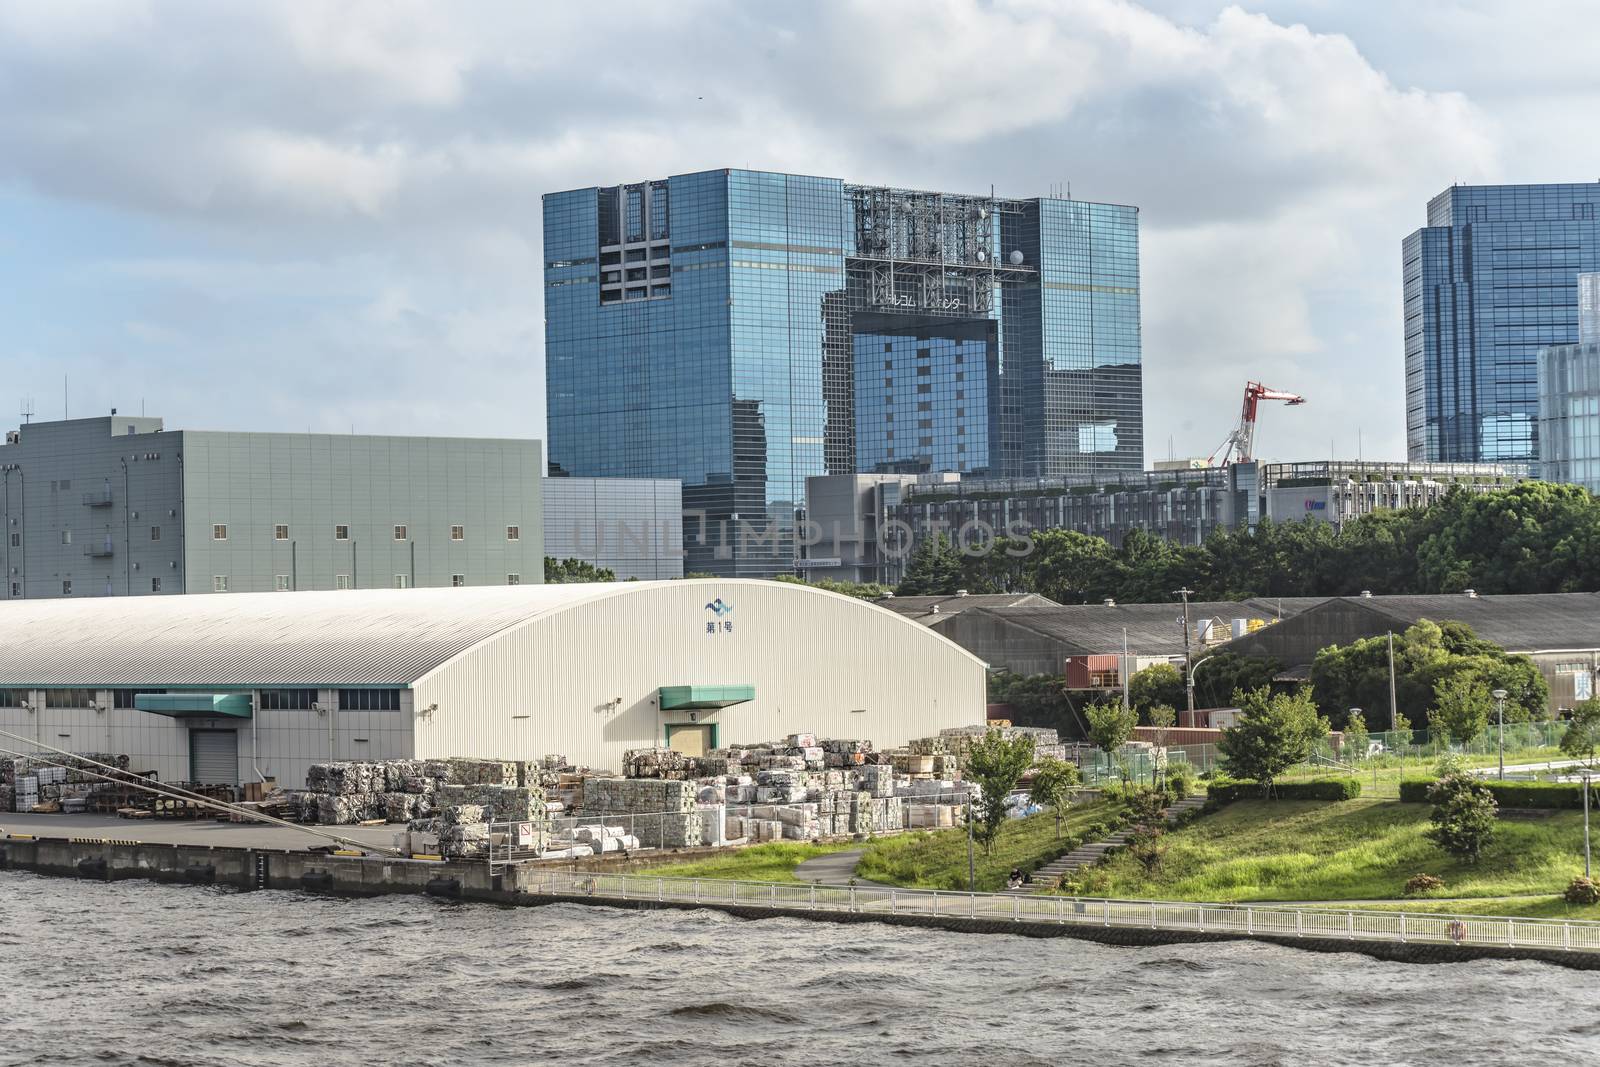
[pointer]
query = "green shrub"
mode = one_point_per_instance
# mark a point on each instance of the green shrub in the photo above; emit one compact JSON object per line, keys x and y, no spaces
{"x":1180,"y":782}
{"x":1418,"y":884}
{"x":1226,"y":791}
{"x":1415,"y":790}
{"x":1546,"y":795}
{"x":1582,"y":891}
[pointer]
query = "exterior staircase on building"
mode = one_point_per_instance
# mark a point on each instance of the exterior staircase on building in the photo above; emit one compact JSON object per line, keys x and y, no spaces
{"x":1090,"y":853}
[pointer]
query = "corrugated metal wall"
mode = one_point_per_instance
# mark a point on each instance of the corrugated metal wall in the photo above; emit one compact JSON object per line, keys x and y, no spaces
{"x":582,"y":681}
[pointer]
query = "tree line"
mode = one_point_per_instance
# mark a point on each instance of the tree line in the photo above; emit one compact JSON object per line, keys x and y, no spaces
{"x":1536,"y":537}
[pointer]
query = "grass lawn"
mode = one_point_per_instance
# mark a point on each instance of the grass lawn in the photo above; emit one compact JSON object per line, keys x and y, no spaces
{"x":1548,"y":906}
{"x":1381,"y":776}
{"x":1355,"y":850}
{"x":772,"y":862}
{"x":937,"y":859}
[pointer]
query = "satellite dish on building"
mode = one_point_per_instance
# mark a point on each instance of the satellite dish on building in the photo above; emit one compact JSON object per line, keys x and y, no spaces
{"x":982,"y":255}
{"x":1016,"y":257}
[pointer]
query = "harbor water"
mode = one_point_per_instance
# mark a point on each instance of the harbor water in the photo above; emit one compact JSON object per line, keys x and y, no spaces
{"x":138,"y":973}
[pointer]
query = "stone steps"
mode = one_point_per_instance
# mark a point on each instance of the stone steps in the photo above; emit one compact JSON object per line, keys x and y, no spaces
{"x":1087,"y":855}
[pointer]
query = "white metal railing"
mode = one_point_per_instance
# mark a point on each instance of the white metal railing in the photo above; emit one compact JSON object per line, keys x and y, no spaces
{"x":1251,"y":920}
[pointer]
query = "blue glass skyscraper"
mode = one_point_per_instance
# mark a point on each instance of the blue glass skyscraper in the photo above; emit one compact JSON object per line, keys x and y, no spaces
{"x":741,"y":331}
{"x":1490,"y":281}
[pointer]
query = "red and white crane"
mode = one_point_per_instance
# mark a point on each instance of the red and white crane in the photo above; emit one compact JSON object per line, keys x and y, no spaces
{"x":1242,"y":440}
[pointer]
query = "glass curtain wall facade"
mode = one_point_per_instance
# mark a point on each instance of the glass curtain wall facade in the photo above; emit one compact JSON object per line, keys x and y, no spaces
{"x":1490,"y":281}
{"x":728,"y":329}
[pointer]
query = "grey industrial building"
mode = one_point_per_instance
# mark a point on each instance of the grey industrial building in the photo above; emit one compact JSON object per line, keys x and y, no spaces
{"x":866,"y":532}
{"x":630,"y":526}
{"x":1085,"y":642}
{"x":1560,"y":632}
{"x":118,"y":506}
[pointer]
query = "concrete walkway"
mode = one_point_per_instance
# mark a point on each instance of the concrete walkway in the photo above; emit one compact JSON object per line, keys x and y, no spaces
{"x":836,"y":868}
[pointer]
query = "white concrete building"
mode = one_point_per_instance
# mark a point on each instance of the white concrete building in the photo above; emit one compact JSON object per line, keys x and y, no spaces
{"x":235,"y":688}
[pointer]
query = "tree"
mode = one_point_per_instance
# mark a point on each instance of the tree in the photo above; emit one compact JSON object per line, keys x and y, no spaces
{"x":1355,"y":736}
{"x":564,"y":571}
{"x":1035,"y":700}
{"x":1053,"y":782}
{"x":1273,"y":734}
{"x":859,"y":590}
{"x":1463,"y":815}
{"x":1226,"y":673}
{"x":1461,"y":706}
{"x":1159,"y":683}
{"x":1161,"y":718}
{"x":934,"y":569}
{"x":1583,"y":732}
{"x":1400,"y":732}
{"x":1110,"y":725}
{"x":1357,"y":674}
{"x":997,"y":763}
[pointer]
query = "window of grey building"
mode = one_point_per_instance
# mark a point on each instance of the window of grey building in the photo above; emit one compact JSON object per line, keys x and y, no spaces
{"x":12,"y":698}
{"x":458,"y":579}
{"x":125,"y":698}
{"x":16,"y":540}
{"x":402,"y":581}
{"x":66,"y":587}
{"x":369,"y":700}
{"x":155,"y":585}
{"x":280,"y":582}
{"x":219,"y":583}
{"x":280,"y":532}
{"x":399,"y":533}
{"x":341,"y":581}
{"x":69,"y":698}
{"x":16,"y":588}
{"x":219,"y":531}
{"x":513,"y":533}
{"x":66,"y":537}
{"x":286,"y":699}
{"x":513,"y":579}
{"x":155,"y":533}
{"x":458,"y":533}
{"x":341,"y":533}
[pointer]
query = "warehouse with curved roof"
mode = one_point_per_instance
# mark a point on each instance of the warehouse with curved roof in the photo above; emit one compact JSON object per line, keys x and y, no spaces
{"x":262,"y":685}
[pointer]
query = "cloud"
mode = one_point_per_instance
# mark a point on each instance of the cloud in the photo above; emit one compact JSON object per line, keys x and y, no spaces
{"x":348,"y":193}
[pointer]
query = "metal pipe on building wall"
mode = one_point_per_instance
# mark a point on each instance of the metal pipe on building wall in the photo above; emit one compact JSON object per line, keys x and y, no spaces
{"x":127,"y":536}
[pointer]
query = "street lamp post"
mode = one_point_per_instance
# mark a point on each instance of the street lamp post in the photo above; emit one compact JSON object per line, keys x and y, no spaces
{"x":1500,"y":713}
{"x":1586,"y":781}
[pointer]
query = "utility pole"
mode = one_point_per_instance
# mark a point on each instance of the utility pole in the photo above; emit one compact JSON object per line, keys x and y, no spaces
{"x":1125,"y":702}
{"x":1188,"y":657}
{"x":1500,"y":710}
{"x":1393,"y":706}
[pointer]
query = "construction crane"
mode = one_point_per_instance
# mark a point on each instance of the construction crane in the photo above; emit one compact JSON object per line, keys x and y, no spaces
{"x":1242,"y":440}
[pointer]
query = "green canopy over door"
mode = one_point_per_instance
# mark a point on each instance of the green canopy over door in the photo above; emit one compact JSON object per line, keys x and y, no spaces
{"x":195,"y":705}
{"x":692,"y":697}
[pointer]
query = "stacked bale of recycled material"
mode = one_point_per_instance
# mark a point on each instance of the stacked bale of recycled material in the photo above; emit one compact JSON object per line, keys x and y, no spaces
{"x":662,"y":812}
{"x":26,"y":782}
{"x":405,"y":790}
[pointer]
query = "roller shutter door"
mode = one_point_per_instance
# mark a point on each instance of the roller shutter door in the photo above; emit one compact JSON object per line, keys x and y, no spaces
{"x":214,"y":756}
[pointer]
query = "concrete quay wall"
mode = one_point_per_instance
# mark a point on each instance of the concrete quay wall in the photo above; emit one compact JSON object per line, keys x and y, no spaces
{"x":276,"y":869}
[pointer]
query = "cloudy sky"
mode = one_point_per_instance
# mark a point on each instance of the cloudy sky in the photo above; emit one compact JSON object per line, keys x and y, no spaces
{"x":326,"y":215}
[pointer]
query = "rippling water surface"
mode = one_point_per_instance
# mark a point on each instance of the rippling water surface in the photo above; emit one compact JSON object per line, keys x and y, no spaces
{"x":137,"y":973}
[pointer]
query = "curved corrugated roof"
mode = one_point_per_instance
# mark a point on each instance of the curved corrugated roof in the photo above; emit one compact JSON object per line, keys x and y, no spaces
{"x":254,"y":640}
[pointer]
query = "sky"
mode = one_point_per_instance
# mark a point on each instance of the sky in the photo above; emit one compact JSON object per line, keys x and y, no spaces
{"x":325,"y":215}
